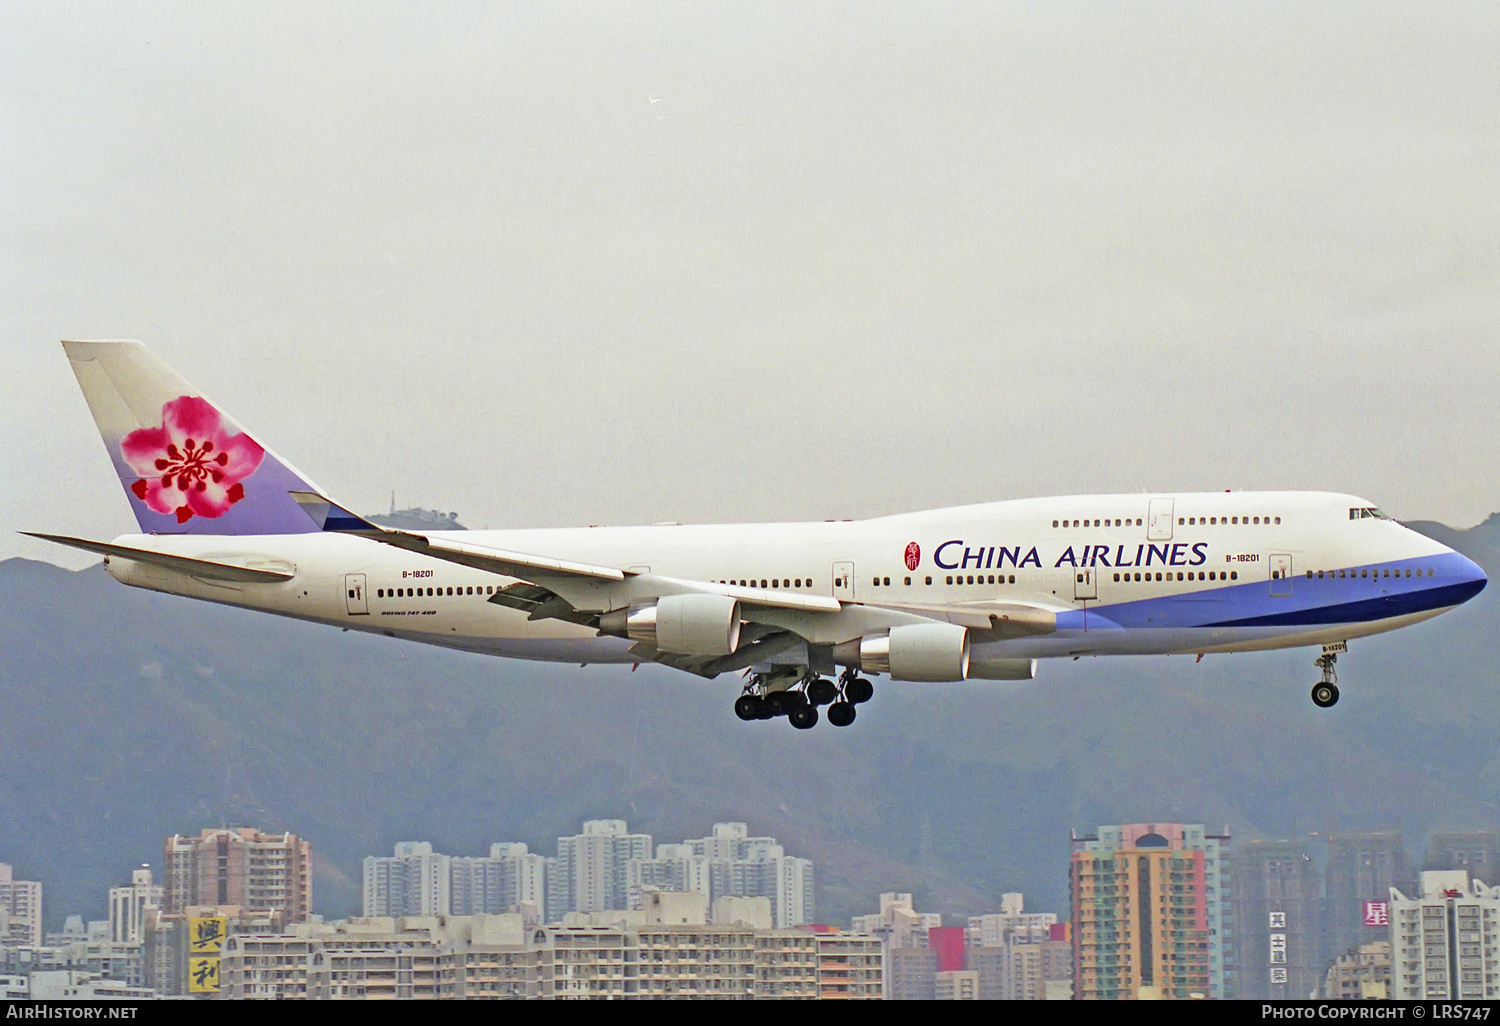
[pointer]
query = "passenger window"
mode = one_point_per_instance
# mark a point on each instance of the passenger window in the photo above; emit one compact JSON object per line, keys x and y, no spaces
{"x":1278,"y":520}
{"x":929,"y":580}
{"x":908,"y":582}
{"x":1117,"y":577}
{"x":1309,"y":575}
{"x":809,"y":582}
{"x":1054,"y":523}
{"x":1012,"y":578}
{"x":1364,"y":573}
{"x":1180,"y":521}
{"x":1213,"y":575}
{"x":950,"y":579}
{"x":1137,"y":577}
{"x":887,"y":582}
{"x":1234,"y":575}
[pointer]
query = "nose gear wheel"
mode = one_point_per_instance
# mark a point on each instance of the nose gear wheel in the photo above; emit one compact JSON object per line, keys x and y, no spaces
{"x":1325,"y":693}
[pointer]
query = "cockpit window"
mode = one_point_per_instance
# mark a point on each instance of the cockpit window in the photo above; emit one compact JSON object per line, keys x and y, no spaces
{"x":1362,"y":512}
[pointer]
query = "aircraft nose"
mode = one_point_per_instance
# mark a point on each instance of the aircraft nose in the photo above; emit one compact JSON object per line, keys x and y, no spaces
{"x":1471,"y":577}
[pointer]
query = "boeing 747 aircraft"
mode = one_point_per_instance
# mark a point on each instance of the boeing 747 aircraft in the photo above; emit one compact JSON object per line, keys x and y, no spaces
{"x":969,"y":592}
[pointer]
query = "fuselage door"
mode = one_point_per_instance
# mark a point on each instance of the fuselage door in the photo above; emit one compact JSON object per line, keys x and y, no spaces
{"x":1085,"y":583}
{"x":354,"y":595}
{"x":1281,"y":573}
{"x":843,"y":582}
{"x":1159,"y":520}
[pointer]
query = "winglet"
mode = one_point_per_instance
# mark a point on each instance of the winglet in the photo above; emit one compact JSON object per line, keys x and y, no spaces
{"x":330,"y":516}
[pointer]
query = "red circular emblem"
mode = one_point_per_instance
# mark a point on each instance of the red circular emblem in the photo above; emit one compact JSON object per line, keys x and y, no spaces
{"x":913,"y":555}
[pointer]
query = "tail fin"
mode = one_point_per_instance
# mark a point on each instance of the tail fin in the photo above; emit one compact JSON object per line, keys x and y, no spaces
{"x":186,"y":466}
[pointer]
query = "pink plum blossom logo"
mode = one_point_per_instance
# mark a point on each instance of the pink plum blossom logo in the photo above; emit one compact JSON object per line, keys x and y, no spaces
{"x":190,"y":465}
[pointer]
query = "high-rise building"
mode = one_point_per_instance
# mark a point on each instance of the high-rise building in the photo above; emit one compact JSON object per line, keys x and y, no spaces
{"x":413,"y":881}
{"x":1477,"y":851}
{"x":509,"y":878}
{"x":1278,"y":913}
{"x":1362,"y":975}
{"x":1011,"y":923}
{"x":729,"y":863}
{"x":1362,"y":869}
{"x":1019,"y":955}
{"x":128,"y":904}
{"x":757,"y":867}
{"x":21,"y":908}
{"x":589,"y":873}
{"x":1149,"y":915}
{"x":910,"y":965}
{"x":1445,"y":944}
{"x":239,"y":866}
{"x":670,"y":950}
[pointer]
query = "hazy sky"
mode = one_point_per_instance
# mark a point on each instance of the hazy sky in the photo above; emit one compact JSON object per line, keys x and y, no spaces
{"x":641,"y":262}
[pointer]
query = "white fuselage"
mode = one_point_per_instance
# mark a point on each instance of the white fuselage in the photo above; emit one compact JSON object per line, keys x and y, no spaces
{"x":1124,"y":574}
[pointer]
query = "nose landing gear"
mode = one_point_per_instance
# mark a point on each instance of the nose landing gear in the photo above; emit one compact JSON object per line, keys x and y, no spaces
{"x":1325,"y":693}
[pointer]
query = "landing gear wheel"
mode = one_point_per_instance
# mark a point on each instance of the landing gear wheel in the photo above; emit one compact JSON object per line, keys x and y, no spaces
{"x":859,"y":690}
{"x":841,"y":714}
{"x":804,"y":717}
{"x":777,"y":703}
{"x":747,"y":707}
{"x":822,"y":691}
{"x":1325,"y":693}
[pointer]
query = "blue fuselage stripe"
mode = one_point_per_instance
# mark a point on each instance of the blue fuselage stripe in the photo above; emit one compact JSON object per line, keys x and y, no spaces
{"x":1312,"y":601}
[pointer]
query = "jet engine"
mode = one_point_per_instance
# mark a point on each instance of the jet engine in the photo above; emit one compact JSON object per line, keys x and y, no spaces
{"x":701,"y":625}
{"x":923,"y":652}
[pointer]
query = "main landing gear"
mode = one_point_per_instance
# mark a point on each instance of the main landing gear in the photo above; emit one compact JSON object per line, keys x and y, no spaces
{"x":1325,"y":693}
{"x":797,"y":695}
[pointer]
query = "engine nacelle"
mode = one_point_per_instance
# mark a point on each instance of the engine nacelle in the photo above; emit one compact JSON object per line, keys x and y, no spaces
{"x":989,"y":668}
{"x":703,"y":625}
{"x":922,"y":652}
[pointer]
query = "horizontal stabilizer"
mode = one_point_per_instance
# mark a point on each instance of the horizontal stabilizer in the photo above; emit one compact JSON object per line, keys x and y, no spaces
{"x":330,"y":516}
{"x":206,"y":569}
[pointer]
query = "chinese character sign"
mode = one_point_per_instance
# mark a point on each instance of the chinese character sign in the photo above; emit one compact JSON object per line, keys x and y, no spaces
{"x":203,"y":975}
{"x":1278,"y":975}
{"x":206,"y":935}
{"x":1377,"y":913}
{"x":1278,"y":920}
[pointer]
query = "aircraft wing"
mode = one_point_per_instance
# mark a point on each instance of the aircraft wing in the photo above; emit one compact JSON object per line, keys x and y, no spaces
{"x":542,"y":570}
{"x":207,"y":569}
